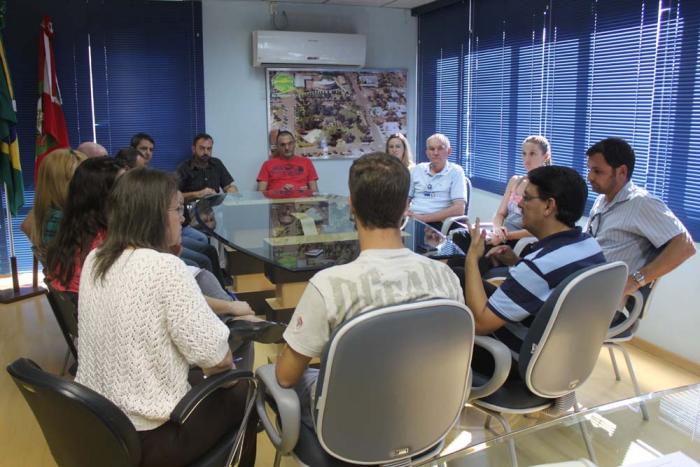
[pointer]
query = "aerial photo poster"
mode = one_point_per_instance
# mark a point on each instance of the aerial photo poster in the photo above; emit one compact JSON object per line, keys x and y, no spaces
{"x":336,"y":113}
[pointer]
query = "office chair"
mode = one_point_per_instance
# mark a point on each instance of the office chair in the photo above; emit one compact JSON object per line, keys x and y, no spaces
{"x":66,"y":313}
{"x":463,"y":220}
{"x":561,"y":346}
{"x":84,"y":429}
{"x":392,"y":383}
{"x":624,"y":329}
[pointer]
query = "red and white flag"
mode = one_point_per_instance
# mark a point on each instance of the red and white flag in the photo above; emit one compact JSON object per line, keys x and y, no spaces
{"x":51,"y":130}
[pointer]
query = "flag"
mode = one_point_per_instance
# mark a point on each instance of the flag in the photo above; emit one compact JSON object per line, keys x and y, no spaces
{"x":10,"y":168}
{"x":50,"y":123}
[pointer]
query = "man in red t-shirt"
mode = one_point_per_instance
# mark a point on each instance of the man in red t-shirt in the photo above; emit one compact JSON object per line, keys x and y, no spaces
{"x":287,"y":172}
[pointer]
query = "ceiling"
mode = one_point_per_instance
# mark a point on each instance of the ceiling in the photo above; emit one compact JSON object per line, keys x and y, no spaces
{"x":407,"y":4}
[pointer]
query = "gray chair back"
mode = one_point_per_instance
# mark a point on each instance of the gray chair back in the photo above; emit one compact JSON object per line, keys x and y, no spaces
{"x":468,"y":201}
{"x":562,"y":344}
{"x":394,"y":381}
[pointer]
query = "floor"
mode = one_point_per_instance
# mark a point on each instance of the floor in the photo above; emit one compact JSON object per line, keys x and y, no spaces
{"x":28,"y":329}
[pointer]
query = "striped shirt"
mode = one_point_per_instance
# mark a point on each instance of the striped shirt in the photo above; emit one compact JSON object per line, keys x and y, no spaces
{"x":531,"y":281}
{"x":633,"y":226}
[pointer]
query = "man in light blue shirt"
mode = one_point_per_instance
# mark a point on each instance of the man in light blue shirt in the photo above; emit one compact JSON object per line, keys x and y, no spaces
{"x":438,"y":189}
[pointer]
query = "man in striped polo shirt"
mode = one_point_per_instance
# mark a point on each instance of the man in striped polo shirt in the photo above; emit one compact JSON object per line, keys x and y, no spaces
{"x":552,"y":202}
{"x":630,"y":224}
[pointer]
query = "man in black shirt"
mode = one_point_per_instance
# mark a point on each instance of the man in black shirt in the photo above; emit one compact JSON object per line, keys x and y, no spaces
{"x":203,"y":175}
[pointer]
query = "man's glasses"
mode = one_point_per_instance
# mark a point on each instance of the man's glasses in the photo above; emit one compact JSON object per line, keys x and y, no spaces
{"x":594,"y":224}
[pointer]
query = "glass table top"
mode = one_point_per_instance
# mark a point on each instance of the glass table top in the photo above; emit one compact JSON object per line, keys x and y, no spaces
{"x":302,"y":231}
{"x":618,"y":436}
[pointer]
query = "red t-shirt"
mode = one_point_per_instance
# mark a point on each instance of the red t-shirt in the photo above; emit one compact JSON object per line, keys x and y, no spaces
{"x":278,"y":172}
{"x":77,"y":269}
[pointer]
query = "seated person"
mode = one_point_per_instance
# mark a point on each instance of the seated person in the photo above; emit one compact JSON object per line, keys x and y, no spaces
{"x":552,"y":202}
{"x":91,"y":149}
{"x":143,"y":323}
{"x":386,"y":273}
{"x":508,"y":221}
{"x":287,"y":171}
{"x":397,"y":146}
{"x":438,"y":189}
{"x":84,"y":224}
{"x":55,"y":173}
{"x":630,"y":224}
{"x":145,"y":144}
{"x":203,"y":175}
{"x":131,"y":158}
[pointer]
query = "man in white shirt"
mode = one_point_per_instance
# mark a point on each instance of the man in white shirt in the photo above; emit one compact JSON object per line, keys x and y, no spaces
{"x":386,"y":273}
{"x":438,"y":189}
{"x":630,"y":224}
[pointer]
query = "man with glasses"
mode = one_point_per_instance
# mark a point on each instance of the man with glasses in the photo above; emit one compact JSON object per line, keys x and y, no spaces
{"x":552,"y":203}
{"x":630,"y":224}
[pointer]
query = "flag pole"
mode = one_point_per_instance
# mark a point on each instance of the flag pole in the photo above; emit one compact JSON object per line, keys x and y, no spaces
{"x":16,"y":293}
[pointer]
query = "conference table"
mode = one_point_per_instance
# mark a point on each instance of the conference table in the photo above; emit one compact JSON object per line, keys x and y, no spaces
{"x":295,"y":234}
{"x":609,"y":435}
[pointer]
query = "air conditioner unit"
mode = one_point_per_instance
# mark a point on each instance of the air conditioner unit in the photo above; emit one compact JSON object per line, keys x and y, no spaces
{"x":308,"y":48}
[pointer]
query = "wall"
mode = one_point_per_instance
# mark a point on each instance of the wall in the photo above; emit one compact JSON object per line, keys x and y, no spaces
{"x":673,"y":320}
{"x":235,"y":99}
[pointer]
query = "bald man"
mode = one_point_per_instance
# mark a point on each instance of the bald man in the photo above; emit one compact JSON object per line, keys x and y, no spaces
{"x":91,"y":149}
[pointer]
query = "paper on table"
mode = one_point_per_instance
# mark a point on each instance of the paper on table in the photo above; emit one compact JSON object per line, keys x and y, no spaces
{"x":308,"y":226}
{"x":675,"y":459}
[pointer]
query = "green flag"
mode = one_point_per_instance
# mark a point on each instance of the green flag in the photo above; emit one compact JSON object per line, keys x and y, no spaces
{"x":10,"y":168}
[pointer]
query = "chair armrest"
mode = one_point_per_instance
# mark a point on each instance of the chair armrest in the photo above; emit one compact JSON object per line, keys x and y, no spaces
{"x":201,"y":391}
{"x":631,"y":319}
{"x":502,"y":362}
{"x":447,"y":223}
{"x":287,"y":407}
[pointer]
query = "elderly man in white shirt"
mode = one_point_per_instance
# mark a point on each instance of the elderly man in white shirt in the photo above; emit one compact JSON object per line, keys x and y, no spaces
{"x":438,"y":189}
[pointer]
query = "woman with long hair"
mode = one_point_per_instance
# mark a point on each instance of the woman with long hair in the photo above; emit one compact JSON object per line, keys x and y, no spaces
{"x":143,"y":322}
{"x":55,"y":173}
{"x":84,"y":223}
{"x":508,"y":221}
{"x":397,"y":146}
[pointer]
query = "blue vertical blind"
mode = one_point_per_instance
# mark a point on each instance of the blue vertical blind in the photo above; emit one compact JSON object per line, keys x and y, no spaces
{"x":577,"y":72}
{"x":145,"y":62}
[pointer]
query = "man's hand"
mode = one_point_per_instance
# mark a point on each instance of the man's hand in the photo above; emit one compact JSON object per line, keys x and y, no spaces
{"x":478,"y":243}
{"x":504,"y":254}
{"x":631,"y":286}
{"x":205,"y":192}
{"x":499,"y":235}
{"x":288,"y":187}
{"x":240,"y":308}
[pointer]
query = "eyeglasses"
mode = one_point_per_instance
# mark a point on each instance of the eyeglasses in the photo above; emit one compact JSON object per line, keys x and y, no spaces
{"x":594,"y":224}
{"x":528,"y":198}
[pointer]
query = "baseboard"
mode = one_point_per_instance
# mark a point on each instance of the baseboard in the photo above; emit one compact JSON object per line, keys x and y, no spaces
{"x":679,"y":361}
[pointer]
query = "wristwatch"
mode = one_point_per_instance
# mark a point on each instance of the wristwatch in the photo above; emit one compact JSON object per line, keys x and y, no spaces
{"x":639,"y":278}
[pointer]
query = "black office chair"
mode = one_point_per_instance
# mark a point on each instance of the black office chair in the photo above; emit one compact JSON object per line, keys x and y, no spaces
{"x":65,"y":310}
{"x":561,"y":346}
{"x":393,"y":382}
{"x":84,"y":429}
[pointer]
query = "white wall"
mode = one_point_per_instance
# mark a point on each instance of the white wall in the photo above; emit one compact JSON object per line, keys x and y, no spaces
{"x":234,"y":91}
{"x":673,"y":321}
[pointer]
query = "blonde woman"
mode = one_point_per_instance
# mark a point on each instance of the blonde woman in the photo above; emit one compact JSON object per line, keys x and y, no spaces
{"x":397,"y":146}
{"x":55,"y":173}
{"x":508,"y":221}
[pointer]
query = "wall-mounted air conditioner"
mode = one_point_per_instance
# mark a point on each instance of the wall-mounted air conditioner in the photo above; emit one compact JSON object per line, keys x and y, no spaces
{"x":308,"y":48}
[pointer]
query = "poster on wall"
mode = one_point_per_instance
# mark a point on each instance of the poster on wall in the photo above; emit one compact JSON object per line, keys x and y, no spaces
{"x":336,"y":114}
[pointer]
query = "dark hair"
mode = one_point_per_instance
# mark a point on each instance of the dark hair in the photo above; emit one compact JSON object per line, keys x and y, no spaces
{"x":379,"y":190}
{"x":84,"y":216}
{"x":128,"y":156}
{"x":138,"y":137}
{"x":285,"y":133}
{"x":567,"y":188}
{"x":137,"y":215}
{"x":202,"y":136}
{"x":616,"y":152}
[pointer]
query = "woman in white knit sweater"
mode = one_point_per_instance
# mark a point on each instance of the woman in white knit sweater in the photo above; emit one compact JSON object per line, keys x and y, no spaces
{"x":143,"y":322}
